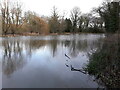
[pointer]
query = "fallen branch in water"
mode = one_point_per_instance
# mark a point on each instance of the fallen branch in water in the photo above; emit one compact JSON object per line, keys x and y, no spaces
{"x":79,"y":70}
{"x":67,"y":65}
{"x":67,"y":56}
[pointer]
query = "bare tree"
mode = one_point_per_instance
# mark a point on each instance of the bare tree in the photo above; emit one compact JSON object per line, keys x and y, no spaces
{"x":75,"y":14}
{"x":63,"y":25}
{"x":16,"y":17}
{"x":0,"y":24}
{"x":4,"y":5}
{"x":11,"y":16}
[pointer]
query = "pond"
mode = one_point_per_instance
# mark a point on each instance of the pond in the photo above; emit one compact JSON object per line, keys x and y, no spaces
{"x":48,"y":61}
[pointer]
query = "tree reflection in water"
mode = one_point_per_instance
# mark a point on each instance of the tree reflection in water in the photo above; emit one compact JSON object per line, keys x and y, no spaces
{"x":13,"y":57}
{"x":17,"y":51}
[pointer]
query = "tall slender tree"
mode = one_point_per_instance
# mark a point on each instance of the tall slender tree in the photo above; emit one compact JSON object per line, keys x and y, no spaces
{"x":75,"y":14}
{"x":54,"y":21}
{"x":4,"y":5}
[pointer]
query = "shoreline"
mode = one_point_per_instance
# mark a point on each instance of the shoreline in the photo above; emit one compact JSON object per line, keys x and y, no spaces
{"x":33,"y":34}
{"x":52,"y":34}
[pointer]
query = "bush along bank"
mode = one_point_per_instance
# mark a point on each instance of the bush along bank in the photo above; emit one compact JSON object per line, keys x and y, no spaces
{"x":105,"y":63}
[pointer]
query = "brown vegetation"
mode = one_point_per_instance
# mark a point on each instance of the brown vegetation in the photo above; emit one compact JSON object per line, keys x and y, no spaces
{"x":101,"y":19}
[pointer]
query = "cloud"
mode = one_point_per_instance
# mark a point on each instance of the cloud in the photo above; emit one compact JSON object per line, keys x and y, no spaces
{"x":43,"y":7}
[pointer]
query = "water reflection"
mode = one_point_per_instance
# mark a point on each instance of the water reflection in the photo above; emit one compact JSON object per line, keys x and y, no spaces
{"x":49,"y":52}
{"x":13,"y":56}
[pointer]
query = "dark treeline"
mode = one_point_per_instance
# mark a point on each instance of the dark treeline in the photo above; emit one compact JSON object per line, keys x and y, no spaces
{"x":104,"y":63}
{"x":105,"y":18}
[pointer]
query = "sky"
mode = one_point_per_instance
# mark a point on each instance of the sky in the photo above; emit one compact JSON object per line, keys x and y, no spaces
{"x":44,"y":7}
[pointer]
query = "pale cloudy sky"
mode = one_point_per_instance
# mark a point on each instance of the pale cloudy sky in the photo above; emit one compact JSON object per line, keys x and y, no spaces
{"x":43,"y":7}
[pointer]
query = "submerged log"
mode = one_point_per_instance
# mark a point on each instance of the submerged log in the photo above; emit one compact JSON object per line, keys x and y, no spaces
{"x":79,"y":70}
{"x":67,"y":56}
{"x":66,"y":65}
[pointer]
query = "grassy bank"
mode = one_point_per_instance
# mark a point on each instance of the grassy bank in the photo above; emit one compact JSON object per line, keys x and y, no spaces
{"x":105,"y":63}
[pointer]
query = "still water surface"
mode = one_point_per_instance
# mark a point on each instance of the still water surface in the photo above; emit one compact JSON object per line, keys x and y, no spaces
{"x":46,"y":61}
